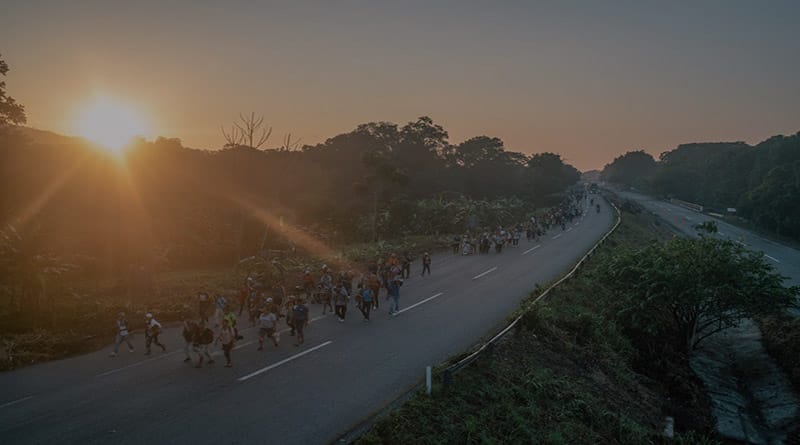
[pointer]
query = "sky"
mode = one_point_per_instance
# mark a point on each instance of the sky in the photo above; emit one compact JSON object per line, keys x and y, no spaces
{"x":589,"y":80}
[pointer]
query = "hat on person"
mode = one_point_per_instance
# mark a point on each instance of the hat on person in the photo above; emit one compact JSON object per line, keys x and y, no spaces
{"x":149,"y":315}
{"x":269,"y":300}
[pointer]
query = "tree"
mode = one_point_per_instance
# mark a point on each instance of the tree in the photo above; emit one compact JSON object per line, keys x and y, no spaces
{"x":248,"y":131}
{"x":11,"y":113}
{"x":630,"y":169}
{"x":688,"y":289}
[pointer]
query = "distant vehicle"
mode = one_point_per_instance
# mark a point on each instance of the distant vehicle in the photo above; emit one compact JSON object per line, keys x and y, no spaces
{"x":593,"y":187}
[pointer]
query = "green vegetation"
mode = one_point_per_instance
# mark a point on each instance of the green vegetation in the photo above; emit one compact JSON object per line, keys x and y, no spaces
{"x":762,"y":182}
{"x":570,"y":373}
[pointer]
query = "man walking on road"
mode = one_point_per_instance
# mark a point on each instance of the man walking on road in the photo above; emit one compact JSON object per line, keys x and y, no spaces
{"x":365,"y":305}
{"x":151,"y":332}
{"x":426,"y":264}
{"x":203,"y":337}
{"x":340,"y":302}
{"x":300,"y":320}
{"x":122,"y":334}
{"x":394,"y":295}
{"x":266,"y":325}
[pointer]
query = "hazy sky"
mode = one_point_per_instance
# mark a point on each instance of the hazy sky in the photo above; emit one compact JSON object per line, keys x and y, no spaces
{"x":589,"y":80}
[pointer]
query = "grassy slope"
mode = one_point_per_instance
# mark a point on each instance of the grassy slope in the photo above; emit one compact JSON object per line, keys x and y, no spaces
{"x":565,"y":377}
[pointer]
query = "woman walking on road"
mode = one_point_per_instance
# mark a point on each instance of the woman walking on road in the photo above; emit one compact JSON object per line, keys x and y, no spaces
{"x":122,"y":334}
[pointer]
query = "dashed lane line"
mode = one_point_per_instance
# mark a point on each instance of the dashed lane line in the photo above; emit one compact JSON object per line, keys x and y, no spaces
{"x":569,"y":230}
{"x":420,"y":302}
{"x":772,"y":258}
{"x":284,"y":361}
{"x":531,"y":249}
{"x":557,"y":236}
{"x":14,"y":402}
{"x":485,"y":273}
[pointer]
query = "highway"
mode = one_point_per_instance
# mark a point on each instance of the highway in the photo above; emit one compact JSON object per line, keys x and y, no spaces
{"x":785,"y":259}
{"x":343,"y":374}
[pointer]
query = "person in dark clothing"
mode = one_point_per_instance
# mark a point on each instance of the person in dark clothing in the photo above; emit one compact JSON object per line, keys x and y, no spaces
{"x":406,"y":266}
{"x":426,"y":264}
{"x":300,"y":320}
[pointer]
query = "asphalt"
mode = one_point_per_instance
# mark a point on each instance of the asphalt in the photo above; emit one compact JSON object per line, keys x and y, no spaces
{"x":785,"y":259}
{"x":309,"y":394}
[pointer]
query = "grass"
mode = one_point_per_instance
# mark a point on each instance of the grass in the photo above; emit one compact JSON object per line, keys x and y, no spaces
{"x":567,"y":375}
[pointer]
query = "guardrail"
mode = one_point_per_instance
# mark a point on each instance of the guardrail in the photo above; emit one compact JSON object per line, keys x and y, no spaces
{"x":489,"y":345}
{"x":686,"y":204}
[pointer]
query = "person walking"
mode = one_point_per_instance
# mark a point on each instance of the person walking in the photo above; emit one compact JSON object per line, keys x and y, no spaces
{"x":189,"y":328}
{"x":394,"y":295}
{"x":406,"y":269}
{"x":365,"y":303}
{"x":266,"y":326}
{"x":341,"y":302}
{"x":203,"y":336}
{"x":122,"y":334}
{"x":220,"y":303}
{"x":426,"y":264}
{"x":300,"y":320}
{"x":227,"y":337}
{"x":151,"y":331}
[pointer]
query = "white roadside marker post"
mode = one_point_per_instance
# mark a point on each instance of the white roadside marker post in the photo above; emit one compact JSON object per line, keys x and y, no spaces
{"x":428,"y":380}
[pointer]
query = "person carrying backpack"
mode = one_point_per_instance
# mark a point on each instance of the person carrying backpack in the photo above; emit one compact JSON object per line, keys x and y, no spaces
{"x":406,"y":266}
{"x":300,"y":320}
{"x":122,"y":334}
{"x":202,"y":338}
{"x":220,"y":303}
{"x":151,"y":331}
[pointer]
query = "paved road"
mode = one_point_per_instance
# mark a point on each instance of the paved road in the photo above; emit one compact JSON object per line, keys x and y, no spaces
{"x":785,"y":259}
{"x":308,"y":394}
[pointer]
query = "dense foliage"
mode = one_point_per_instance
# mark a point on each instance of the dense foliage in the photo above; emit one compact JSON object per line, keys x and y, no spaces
{"x":762,"y":182}
{"x":687,"y":289}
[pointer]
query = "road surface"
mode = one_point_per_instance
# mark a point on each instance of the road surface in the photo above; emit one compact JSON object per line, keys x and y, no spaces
{"x":785,"y":259}
{"x":344,"y":373}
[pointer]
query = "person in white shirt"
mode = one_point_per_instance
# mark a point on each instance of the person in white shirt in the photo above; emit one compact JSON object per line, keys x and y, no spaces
{"x":151,"y":332}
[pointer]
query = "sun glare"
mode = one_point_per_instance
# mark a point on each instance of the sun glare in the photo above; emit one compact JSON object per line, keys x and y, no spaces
{"x":110,"y":123}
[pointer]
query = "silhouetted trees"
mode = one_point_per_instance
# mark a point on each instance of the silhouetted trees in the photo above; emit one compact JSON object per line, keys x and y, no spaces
{"x":197,"y":207}
{"x":762,"y":182}
{"x":10,"y":111}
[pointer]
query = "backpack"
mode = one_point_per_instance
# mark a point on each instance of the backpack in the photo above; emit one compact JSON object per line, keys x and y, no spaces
{"x":299,"y":312}
{"x":206,"y":337}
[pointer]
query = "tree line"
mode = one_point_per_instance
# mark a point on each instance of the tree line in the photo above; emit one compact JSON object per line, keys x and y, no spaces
{"x":762,"y":182}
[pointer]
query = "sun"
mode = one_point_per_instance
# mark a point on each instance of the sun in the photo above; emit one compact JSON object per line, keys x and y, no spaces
{"x":110,"y":123}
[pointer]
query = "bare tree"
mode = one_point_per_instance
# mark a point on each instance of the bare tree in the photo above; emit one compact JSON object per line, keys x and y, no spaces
{"x":288,"y":144}
{"x":248,"y":130}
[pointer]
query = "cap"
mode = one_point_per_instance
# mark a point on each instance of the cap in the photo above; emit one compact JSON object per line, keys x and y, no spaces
{"x":149,"y":315}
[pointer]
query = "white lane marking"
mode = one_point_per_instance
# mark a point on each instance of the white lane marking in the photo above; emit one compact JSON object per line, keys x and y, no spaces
{"x":578,"y":223}
{"x":284,"y":361}
{"x":773,"y":259}
{"x":721,"y":233}
{"x":743,"y":244}
{"x":14,"y":402}
{"x":531,"y":249}
{"x":668,"y":209}
{"x":420,"y":302}
{"x":557,"y":236}
{"x":485,"y":273}
{"x":570,"y":229}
